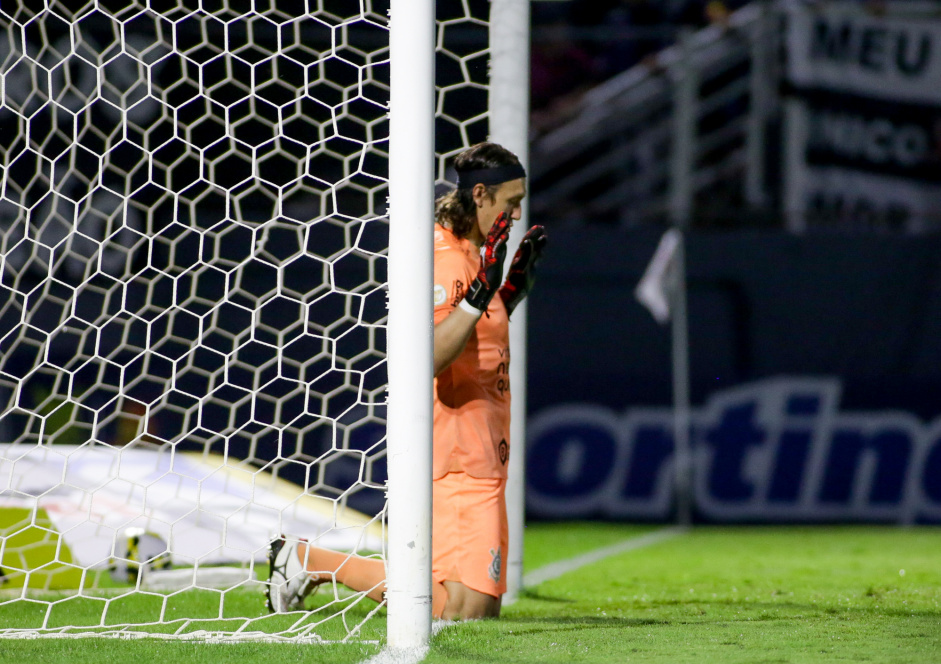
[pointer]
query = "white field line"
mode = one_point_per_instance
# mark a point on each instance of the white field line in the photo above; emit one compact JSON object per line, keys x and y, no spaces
{"x":534,"y":578}
{"x":557,"y":569}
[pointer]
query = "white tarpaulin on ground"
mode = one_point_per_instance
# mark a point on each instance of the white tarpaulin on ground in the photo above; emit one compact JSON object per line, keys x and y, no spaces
{"x":209,"y":511}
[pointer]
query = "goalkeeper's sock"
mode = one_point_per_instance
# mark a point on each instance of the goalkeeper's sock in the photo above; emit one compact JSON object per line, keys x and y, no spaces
{"x":361,"y":574}
{"x":439,"y":598}
{"x":355,"y":572}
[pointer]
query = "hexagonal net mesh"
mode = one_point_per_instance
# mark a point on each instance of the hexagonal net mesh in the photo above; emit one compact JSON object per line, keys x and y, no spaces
{"x":192,"y":305}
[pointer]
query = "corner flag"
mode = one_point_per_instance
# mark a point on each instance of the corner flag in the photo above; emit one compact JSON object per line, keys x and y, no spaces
{"x":659,"y":280}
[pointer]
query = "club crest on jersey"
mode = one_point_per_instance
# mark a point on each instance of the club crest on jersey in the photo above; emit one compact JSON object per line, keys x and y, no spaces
{"x":496,"y":564}
{"x":441,"y":295}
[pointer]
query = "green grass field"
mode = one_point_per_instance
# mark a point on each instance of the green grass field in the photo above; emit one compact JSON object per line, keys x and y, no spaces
{"x":748,"y":594}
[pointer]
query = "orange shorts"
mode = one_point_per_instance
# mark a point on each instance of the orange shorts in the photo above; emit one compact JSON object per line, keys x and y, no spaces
{"x":469,"y":532}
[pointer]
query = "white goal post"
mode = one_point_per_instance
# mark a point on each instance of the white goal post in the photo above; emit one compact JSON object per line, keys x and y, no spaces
{"x":203,"y":212}
{"x":508,"y":105}
{"x":411,"y":369}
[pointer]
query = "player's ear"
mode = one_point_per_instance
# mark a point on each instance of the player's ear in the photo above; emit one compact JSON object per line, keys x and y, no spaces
{"x":479,"y":193}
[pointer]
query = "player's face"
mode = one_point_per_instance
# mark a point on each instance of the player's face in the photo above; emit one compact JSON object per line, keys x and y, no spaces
{"x":508,"y":198}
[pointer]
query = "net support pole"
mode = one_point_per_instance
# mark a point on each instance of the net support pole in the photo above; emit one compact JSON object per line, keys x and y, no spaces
{"x":685,"y":82}
{"x":508,"y":107}
{"x":679,"y":329}
{"x":685,"y":78}
{"x":410,"y":322}
{"x":761,"y":93}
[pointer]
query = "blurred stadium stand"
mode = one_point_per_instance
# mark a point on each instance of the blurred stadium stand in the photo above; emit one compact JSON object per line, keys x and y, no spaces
{"x":693,"y":134}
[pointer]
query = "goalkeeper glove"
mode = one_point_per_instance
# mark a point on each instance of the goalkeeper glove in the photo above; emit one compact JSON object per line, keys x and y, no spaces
{"x":522,"y":274}
{"x":492,"y":255}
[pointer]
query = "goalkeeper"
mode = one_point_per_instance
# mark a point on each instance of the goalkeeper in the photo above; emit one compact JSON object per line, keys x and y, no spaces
{"x":471,"y":402}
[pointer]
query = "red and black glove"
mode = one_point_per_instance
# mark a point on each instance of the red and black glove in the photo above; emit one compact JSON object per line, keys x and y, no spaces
{"x":522,"y":274}
{"x":492,"y":255}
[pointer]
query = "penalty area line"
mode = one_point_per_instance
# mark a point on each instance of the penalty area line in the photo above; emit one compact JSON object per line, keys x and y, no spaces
{"x":557,"y":569}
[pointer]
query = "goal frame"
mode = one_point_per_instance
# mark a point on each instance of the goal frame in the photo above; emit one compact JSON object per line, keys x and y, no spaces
{"x":409,"y":325}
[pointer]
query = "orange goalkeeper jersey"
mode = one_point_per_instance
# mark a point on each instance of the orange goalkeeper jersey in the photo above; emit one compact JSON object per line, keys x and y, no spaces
{"x":472,"y":396}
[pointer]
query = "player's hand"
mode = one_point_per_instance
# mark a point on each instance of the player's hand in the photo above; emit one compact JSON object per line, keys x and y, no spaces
{"x":492,"y":255}
{"x":522,"y":274}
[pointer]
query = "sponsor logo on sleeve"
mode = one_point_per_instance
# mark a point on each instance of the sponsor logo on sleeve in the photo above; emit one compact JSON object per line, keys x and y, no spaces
{"x":458,"y":292}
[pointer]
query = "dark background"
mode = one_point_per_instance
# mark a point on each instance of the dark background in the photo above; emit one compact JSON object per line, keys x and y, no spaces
{"x":865,"y":308}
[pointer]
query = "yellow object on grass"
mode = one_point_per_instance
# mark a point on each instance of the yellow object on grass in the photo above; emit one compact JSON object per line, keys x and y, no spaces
{"x":32,"y":553}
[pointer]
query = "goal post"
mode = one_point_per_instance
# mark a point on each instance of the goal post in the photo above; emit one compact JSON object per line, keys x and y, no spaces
{"x":410,"y":326}
{"x":508,"y":106}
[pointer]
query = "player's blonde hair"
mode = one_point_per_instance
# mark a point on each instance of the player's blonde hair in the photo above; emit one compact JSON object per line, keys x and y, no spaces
{"x":456,"y":209}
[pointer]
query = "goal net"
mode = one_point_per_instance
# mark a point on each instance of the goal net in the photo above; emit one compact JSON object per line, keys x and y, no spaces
{"x":193,"y":252}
